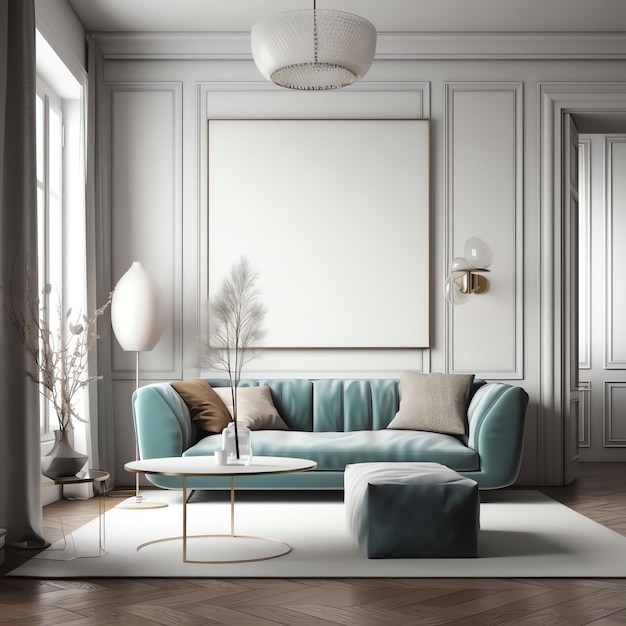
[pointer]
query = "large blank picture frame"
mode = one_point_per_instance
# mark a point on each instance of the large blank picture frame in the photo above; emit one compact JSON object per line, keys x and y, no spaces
{"x":333,"y":215}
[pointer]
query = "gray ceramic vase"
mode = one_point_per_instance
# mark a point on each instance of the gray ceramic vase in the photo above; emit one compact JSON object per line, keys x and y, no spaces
{"x":62,"y":460}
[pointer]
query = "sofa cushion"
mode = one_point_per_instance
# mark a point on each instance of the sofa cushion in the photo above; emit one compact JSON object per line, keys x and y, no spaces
{"x":255,"y":408}
{"x":433,"y":402}
{"x":333,"y":451}
{"x":206,"y":409}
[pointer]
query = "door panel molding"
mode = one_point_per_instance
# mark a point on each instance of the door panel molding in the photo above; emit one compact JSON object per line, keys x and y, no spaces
{"x":615,"y":254}
{"x":584,"y":425}
{"x":614,"y":409}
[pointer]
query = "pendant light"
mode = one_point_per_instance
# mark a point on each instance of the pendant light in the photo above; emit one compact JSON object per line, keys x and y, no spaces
{"x":313,"y":49}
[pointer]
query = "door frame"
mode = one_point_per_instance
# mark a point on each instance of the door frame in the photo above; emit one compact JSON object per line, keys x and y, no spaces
{"x":556,"y":99}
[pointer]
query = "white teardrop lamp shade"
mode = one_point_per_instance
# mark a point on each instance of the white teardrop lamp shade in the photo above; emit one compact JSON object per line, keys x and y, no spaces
{"x":477,"y":253}
{"x":136,"y":310}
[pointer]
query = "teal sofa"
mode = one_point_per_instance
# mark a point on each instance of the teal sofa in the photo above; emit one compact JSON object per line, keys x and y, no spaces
{"x":336,"y":423}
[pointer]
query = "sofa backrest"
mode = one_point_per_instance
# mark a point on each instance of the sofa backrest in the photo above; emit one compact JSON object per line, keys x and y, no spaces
{"x":292,"y":397}
{"x":332,"y":405}
{"x":348,"y":405}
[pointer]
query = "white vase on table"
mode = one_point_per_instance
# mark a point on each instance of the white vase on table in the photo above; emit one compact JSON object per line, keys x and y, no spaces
{"x":234,"y":456}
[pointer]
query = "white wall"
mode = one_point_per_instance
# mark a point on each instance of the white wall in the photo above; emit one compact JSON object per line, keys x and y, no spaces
{"x":490,"y":165}
{"x":62,"y":29}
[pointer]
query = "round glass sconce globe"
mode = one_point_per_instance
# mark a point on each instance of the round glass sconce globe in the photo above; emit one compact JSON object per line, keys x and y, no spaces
{"x":453,"y":294}
{"x":477,"y":253}
{"x":459,"y":264}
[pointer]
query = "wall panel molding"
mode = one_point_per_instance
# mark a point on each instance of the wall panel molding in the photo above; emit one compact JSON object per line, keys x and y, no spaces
{"x":484,"y":198}
{"x":146,"y":192}
{"x":259,"y":99}
{"x":231,"y":100}
{"x":410,"y":45}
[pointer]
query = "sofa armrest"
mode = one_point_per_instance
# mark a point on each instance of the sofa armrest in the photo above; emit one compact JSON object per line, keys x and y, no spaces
{"x":496,"y":431}
{"x":162,"y":423}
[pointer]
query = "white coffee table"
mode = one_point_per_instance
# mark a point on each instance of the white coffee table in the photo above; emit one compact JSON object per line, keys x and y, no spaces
{"x":186,"y":467}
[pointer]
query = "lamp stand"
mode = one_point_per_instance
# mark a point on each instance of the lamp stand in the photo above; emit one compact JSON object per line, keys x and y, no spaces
{"x":139,"y":502}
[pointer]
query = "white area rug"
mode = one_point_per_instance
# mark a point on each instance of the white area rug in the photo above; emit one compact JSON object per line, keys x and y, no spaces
{"x":523,"y":534}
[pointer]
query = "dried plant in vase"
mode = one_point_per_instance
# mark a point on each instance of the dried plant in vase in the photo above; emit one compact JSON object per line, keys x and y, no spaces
{"x":59,"y":353}
{"x":235,"y":325}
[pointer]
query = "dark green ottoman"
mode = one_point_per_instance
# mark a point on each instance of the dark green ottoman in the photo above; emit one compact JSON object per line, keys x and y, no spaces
{"x":412,"y":510}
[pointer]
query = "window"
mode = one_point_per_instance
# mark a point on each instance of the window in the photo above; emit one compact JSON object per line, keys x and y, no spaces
{"x":49,"y":212}
{"x":60,"y":195}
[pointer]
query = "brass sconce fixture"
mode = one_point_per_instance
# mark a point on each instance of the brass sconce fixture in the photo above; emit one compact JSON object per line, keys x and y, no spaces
{"x":466,"y":272}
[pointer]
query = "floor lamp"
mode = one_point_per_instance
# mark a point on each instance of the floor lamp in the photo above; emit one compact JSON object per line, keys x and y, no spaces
{"x":137,"y":320}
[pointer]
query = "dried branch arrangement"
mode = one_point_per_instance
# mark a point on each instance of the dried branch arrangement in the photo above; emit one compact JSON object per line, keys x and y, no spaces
{"x":59,"y":352}
{"x":235,"y":325}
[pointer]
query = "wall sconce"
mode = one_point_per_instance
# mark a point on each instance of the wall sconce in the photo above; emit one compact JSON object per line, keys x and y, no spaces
{"x":464,"y":279}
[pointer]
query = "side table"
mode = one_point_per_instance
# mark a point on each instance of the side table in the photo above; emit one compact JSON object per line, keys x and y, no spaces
{"x":189,"y":466}
{"x":98,"y":479}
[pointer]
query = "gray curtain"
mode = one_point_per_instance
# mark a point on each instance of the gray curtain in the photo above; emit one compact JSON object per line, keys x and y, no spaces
{"x":20,"y":453}
{"x":98,"y":269}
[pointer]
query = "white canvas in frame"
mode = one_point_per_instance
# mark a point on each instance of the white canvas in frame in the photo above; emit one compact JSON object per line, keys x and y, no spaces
{"x":334,"y":216}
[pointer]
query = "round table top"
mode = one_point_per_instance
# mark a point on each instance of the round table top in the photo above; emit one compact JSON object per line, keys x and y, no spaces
{"x":86,"y":476}
{"x":206,"y":466}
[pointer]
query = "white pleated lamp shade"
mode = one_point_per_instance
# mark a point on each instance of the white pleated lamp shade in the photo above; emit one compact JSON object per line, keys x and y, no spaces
{"x":313,"y":49}
{"x":136,"y":310}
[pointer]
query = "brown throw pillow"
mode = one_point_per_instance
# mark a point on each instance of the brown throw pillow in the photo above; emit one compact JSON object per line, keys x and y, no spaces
{"x":207,"y":410}
{"x":255,"y":407}
{"x":433,"y":402}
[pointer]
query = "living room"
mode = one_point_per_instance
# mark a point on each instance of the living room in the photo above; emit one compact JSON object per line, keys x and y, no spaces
{"x":494,"y":86}
{"x":476,"y":91}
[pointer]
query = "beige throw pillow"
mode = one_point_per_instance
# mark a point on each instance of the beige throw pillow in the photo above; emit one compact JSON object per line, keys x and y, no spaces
{"x":255,"y":408}
{"x":206,"y":409}
{"x":433,"y":402}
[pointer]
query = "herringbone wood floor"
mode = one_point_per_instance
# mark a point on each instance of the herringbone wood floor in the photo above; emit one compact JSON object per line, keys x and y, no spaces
{"x":599,"y":493}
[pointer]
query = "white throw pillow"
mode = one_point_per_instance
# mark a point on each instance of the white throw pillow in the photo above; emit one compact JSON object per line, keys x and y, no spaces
{"x":255,"y":407}
{"x":433,"y":402}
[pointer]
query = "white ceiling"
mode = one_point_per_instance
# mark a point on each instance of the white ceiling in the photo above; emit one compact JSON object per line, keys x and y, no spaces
{"x":386,"y":15}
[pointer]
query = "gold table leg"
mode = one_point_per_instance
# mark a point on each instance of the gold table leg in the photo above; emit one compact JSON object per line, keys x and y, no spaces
{"x":185,"y":537}
{"x":184,"y":519}
{"x":232,"y":506}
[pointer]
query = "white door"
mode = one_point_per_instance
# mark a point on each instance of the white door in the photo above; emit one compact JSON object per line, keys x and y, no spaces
{"x":602,"y":234}
{"x":572,"y":397}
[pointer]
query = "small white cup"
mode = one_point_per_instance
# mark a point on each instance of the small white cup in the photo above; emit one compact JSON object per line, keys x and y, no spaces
{"x":220,"y":457}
